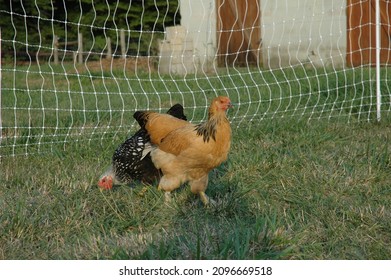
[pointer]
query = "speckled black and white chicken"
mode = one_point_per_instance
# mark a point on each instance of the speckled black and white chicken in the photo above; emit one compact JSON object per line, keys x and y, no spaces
{"x":132,"y":161}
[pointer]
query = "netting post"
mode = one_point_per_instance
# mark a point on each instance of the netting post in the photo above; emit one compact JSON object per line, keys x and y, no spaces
{"x":55,"y":49}
{"x":80,"y":47}
{"x":109,"y":51}
{"x":378,"y":46}
{"x":123,"y":44}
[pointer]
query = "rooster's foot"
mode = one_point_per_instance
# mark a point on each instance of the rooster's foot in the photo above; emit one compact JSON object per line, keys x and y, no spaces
{"x":206,"y":200}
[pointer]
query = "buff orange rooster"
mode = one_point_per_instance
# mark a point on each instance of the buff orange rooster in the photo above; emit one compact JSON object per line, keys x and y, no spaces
{"x":189,"y":152}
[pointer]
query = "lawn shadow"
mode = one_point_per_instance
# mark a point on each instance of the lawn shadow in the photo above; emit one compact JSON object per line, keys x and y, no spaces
{"x":230,"y":228}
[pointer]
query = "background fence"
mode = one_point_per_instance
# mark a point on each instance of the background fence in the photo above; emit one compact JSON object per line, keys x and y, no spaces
{"x":77,"y":70}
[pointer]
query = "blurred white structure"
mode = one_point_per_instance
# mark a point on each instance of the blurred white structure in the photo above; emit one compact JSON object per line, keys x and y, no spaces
{"x":292,"y":32}
{"x":301,"y":31}
{"x":176,"y":52}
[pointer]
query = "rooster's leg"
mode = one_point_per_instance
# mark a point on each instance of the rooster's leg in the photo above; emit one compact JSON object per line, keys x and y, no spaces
{"x":167,"y":197}
{"x":168,"y":184}
{"x":198,"y":187}
{"x":204,"y":198}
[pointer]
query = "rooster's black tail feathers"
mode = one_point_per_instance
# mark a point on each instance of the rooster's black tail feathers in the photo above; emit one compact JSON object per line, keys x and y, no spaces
{"x":176,"y":111}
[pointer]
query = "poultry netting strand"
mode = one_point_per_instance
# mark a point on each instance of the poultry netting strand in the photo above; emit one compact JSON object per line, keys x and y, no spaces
{"x":77,"y":71}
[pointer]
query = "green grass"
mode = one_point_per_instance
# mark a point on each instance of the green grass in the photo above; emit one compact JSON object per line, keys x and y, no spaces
{"x":290,"y":190}
{"x":308,"y":176}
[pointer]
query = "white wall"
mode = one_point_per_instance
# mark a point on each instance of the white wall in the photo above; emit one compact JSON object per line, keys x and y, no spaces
{"x":303,"y":31}
{"x":199,"y":18}
{"x":293,"y":32}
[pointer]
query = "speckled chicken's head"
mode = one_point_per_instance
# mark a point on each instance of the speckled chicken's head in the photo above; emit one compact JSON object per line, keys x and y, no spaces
{"x":106,"y":182}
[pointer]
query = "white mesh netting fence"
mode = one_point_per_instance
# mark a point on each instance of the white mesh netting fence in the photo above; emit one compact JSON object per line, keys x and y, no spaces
{"x":77,"y":70}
